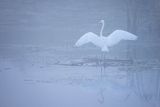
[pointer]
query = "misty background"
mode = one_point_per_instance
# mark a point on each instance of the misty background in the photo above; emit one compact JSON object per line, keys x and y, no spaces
{"x":41,"y":67}
{"x":62,"y":22}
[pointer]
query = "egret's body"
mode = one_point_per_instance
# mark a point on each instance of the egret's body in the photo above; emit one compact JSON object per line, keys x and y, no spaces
{"x":105,"y":42}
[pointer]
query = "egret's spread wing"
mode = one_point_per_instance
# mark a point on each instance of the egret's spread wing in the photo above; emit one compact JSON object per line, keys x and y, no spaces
{"x":86,"y":38}
{"x":118,"y":35}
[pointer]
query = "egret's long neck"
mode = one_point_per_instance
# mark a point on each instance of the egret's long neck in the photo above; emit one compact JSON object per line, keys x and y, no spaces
{"x":102,"y":29}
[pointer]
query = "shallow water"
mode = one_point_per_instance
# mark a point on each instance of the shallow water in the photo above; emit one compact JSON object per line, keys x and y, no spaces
{"x":41,"y":78}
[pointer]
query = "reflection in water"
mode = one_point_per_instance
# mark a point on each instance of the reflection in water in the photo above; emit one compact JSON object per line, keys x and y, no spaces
{"x":142,"y":79}
{"x":146,"y":84}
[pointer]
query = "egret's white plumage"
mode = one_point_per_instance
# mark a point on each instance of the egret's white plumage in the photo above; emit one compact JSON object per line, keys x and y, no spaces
{"x":105,"y":42}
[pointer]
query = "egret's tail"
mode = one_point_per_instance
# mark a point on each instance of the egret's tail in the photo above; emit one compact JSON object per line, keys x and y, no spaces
{"x":105,"y":49}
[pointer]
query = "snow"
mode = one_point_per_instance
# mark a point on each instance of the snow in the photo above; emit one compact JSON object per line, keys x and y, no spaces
{"x":39,"y":77}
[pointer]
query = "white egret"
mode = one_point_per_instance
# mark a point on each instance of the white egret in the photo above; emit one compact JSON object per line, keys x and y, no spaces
{"x":105,"y":42}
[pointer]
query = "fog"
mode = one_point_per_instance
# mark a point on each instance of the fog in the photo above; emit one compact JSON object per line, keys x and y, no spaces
{"x":38,"y":54}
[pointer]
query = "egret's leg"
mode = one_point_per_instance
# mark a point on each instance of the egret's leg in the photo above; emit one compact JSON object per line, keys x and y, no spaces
{"x":104,"y":63}
{"x":101,"y":65}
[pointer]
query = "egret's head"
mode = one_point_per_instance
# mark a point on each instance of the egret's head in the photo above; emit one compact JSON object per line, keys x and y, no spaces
{"x":101,"y":21}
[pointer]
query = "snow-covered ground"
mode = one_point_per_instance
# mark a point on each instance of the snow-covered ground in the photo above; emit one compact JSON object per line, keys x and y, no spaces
{"x":53,"y":77}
